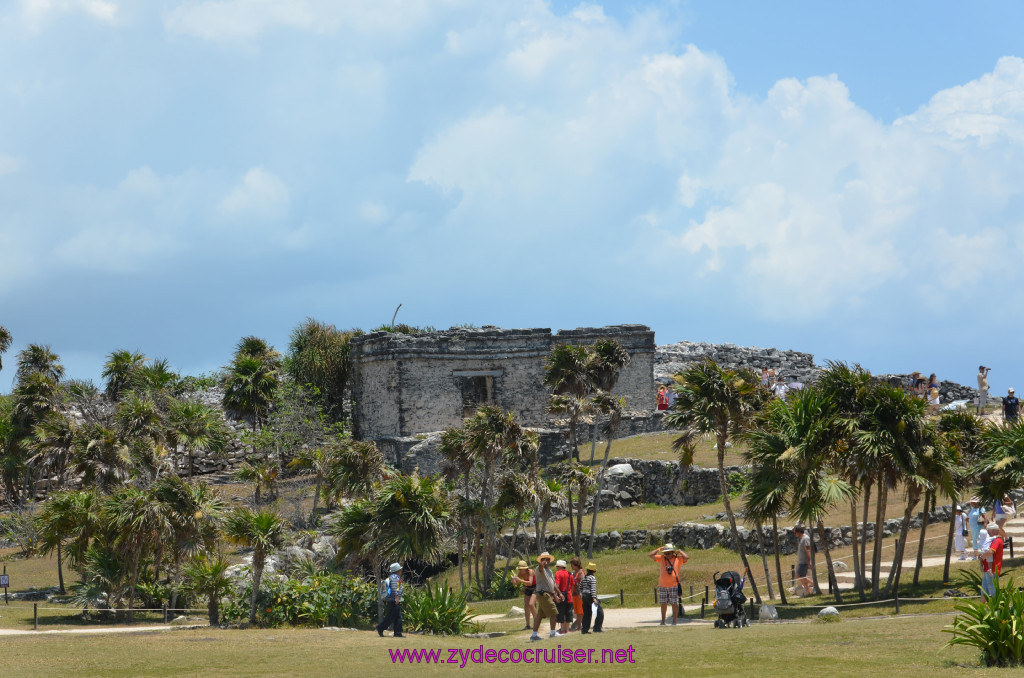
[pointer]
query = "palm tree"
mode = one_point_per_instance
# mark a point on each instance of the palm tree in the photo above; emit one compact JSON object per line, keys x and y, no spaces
{"x":56,"y":523}
{"x":607,"y":360}
{"x":1001,"y":467}
{"x":569,"y":374}
{"x":139,"y":418}
{"x":100,"y":458}
{"x":74,"y":518}
{"x":263,"y":532}
{"x":262,"y":475}
{"x":721,"y":402}
{"x":249,"y":390}
{"x":847,"y":387}
{"x":457,"y":462}
{"x":255,"y":347}
{"x":406,"y":517}
{"x":354,"y":468}
{"x":137,"y":523}
{"x":318,"y":461}
{"x":815,"y":433}
{"x":52,"y":443}
{"x":890,"y":436}
{"x":961,"y":435}
{"x":574,"y":478}
{"x":206,"y":576}
{"x":192,"y":514}
{"x":318,"y":358}
{"x":39,"y":359}
{"x":612,"y":407}
{"x":196,"y":427}
{"x":119,"y":371}
{"x":5,"y":343}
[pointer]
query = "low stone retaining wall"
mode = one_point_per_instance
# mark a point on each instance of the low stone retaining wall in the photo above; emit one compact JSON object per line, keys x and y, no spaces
{"x":706,"y":536}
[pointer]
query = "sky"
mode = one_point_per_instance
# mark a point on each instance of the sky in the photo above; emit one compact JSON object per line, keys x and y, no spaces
{"x":845,"y":179}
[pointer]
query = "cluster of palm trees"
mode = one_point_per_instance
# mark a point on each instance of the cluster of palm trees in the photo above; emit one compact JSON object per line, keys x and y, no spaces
{"x":838,"y":441}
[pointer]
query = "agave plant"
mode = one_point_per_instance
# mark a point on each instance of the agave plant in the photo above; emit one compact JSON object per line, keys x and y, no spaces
{"x":992,"y":625}
{"x":439,"y":611}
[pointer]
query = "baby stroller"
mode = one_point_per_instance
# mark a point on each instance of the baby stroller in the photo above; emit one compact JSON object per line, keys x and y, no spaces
{"x":729,"y":600}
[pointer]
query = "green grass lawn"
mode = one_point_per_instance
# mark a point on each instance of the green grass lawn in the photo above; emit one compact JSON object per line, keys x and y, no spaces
{"x":875,"y":647}
{"x":659,"y":446}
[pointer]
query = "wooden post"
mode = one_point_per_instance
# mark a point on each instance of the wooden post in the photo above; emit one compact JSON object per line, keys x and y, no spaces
{"x":691,"y":585}
{"x":655,"y":595}
{"x":702,"y":609}
{"x":165,"y":612}
{"x":35,"y":616}
{"x":1009,"y":542}
{"x":792,"y":573}
{"x":705,"y":595}
{"x":622,"y":597}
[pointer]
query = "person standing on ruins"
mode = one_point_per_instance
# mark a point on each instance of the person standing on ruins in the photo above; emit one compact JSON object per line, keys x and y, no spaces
{"x":982,"y":388}
{"x":1011,"y":407}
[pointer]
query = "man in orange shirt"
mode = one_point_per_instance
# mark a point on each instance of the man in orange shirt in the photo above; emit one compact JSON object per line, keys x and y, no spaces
{"x":669,"y":560}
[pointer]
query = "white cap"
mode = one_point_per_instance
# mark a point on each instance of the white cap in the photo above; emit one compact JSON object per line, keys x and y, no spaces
{"x":560,"y":563}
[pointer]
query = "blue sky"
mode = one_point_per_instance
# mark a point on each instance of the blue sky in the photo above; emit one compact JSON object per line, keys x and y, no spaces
{"x":845,"y":179}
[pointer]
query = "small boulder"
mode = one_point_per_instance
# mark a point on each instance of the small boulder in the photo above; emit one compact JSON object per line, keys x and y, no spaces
{"x":768,"y":613}
{"x":828,"y":614}
{"x":514,"y":611}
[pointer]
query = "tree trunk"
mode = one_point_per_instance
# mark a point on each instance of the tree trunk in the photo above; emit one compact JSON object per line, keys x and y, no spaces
{"x":462,"y":539}
{"x":764,"y":560}
{"x":593,"y":440}
{"x":924,"y":527}
{"x":580,"y":511}
{"x":316,"y":500}
{"x":572,"y":439}
{"x":723,"y":483}
{"x":864,"y":541}
{"x":832,"y":582}
{"x":135,"y":582}
{"x":778,"y":560}
{"x":213,"y":608}
{"x":858,"y":580}
{"x":597,"y":497}
{"x":814,"y":562}
{"x":949,"y":538}
{"x":572,"y":528}
{"x":257,"y":575}
{"x":876,"y":554}
{"x":60,"y":569}
{"x":893,"y":583}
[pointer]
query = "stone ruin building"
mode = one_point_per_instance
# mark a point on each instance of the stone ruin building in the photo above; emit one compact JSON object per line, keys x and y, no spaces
{"x":405,"y":386}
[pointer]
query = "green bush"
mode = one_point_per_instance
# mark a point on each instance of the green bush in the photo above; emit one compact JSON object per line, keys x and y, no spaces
{"x":319,"y":600}
{"x":993,"y":625}
{"x":439,"y":611}
{"x":501,"y":588}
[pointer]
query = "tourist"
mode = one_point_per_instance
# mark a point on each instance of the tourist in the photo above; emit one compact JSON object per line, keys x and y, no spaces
{"x":1002,"y":510}
{"x":803,"y":560}
{"x":1011,"y":407}
{"x":669,"y":560}
{"x":392,"y":602}
{"x":991,"y":561}
{"x":933,"y":400}
{"x":975,"y":520}
{"x":779,"y":389}
{"x":577,"y":602}
{"x":982,"y":388}
{"x":662,"y":398}
{"x":765,"y":380}
{"x":588,"y":594}
{"x":795,"y":385}
{"x":563,"y":584}
{"x":524,"y":576}
{"x":959,"y":532}
{"x":546,"y":595}
{"x":933,"y":381}
{"x":672,"y":396}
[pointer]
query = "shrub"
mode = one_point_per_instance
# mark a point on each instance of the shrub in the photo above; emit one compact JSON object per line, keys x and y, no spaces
{"x":991,"y":625}
{"x":319,"y":600}
{"x":440,"y":611}
{"x":501,"y":588}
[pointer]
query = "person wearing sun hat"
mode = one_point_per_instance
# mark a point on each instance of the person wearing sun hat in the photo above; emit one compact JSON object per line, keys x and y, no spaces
{"x":975,"y":521}
{"x":546,"y":594}
{"x":669,"y":560}
{"x":525,"y":576}
{"x":588,"y":593}
{"x":393,"y":602}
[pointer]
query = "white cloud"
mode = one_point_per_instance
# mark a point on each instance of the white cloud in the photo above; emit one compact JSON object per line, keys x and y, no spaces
{"x":36,"y":11}
{"x":244,"y":20}
{"x":259,"y":194}
{"x":9,"y":164}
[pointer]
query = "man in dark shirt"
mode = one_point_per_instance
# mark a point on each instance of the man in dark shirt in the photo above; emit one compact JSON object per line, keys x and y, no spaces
{"x":1011,"y":407}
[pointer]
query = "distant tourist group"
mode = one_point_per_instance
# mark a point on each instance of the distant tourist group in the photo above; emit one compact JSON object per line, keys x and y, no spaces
{"x":567,"y":597}
{"x":987,"y":532}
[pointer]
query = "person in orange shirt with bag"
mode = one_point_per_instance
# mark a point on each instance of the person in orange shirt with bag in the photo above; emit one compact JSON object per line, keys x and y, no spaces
{"x":669,"y":560}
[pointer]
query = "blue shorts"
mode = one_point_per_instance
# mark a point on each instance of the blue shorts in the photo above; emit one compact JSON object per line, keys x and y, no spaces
{"x":801,"y":570}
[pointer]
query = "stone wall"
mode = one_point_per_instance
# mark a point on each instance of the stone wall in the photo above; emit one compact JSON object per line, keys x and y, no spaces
{"x":659,"y":482}
{"x":405,"y":385}
{"x":709,"y":535}
{"x":673,"y":358}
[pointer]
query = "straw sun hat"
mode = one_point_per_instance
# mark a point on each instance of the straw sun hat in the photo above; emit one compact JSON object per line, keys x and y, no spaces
{"x":522,"y":565}
{"x":591,"y":567}
{"x":545,"y":556}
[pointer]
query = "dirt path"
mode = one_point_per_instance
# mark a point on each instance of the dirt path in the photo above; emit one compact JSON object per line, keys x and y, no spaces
{"x":107,"y":629}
